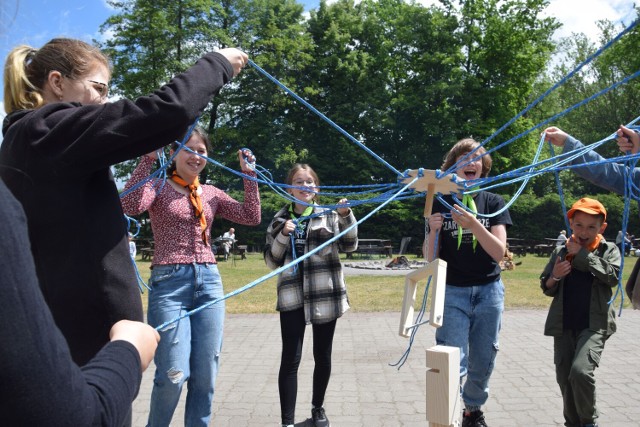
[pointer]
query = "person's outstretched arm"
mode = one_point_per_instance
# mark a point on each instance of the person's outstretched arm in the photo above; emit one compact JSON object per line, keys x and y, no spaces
{"x":608,"y":175}
{"x":41,"y":385}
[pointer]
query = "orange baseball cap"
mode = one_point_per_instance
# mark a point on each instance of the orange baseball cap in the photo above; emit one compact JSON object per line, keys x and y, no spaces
{"x":587,"y":205}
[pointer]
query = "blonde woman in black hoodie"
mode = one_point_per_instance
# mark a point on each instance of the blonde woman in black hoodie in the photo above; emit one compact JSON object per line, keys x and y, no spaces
{"x":61,"y":136}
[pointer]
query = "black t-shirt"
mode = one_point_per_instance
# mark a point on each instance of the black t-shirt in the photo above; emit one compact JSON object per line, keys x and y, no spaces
{"x":300,"y":240}
{"x":576,"y":300}
{"x":466,"y":266}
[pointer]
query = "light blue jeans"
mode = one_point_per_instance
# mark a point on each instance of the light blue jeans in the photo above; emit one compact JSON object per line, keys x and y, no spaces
{"x":471,"y":321}
{"x":189,"y":350}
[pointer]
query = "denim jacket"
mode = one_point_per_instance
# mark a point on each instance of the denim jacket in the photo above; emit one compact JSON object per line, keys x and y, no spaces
{"x":609,"y":175}
{"x":604,"y":265}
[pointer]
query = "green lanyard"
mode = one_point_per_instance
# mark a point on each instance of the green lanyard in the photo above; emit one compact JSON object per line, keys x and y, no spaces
{"x":468,"y":201}
{"x":307,"y":212}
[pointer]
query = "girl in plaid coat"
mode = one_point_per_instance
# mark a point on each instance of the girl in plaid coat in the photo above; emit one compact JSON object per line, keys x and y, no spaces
{"x":312,"y":292}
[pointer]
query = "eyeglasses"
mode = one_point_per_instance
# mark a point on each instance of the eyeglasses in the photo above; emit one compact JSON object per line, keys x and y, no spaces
{"x":300,"y":183}
{"x":101,"y":88}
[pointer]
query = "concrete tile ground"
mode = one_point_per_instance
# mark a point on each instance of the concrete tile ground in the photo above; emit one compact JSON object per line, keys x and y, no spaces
{"x":366,"y":391}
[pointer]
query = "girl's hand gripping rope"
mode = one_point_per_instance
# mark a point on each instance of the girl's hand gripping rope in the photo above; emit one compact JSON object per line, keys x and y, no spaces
{"x":288,"y":228}
{"x":344,"y":211}
{"x":247,"y":160}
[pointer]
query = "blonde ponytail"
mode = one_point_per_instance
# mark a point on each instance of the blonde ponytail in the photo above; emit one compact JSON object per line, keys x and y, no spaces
{"x":19,"y":92}
{"x":27,"y":70}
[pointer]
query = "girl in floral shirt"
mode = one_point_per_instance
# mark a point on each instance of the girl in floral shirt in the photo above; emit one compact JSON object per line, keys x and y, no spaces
{"x":185,"y":275}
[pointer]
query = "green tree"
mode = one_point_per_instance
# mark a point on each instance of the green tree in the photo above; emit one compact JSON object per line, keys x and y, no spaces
{"x":406,"y":80}
{"x":154,"y":40}
{"x":258,"y":114}
{"x":600,"y":117}
{"x":506,"y":46}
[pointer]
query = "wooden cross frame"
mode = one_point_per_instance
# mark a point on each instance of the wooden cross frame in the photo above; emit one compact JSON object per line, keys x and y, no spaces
{"x":437,"y":269}
{"x":430,"y":184}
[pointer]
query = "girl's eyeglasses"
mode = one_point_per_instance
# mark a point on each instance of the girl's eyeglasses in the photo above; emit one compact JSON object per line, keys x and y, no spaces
{"x":101,"y":88}
{"x":300,"y":183}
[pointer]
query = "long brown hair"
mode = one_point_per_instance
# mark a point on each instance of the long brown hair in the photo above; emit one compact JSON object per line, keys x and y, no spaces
{"x":27,"y":69}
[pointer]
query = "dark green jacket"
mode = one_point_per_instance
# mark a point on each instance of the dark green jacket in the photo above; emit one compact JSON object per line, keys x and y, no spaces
{"x":604,"y":264}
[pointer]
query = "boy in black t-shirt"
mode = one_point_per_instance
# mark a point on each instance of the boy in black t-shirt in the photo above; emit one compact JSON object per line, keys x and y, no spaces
{"x":580,"y":276}
{"x":472,"y":241}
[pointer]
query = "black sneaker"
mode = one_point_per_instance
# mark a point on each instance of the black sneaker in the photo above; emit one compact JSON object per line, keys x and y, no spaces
{"x":474,"y":419}
{"x":319,"y":417}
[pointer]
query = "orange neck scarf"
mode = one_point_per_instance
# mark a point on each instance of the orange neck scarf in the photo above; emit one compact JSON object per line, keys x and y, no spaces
{"x":592,"y":247}
{"x":194,"y":195}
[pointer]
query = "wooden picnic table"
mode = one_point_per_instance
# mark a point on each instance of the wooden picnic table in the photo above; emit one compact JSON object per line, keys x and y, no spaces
{"x":373,"y":247}
{"x":146,"y":248}
{"x":517,"y":246}
{"x":544,"y":249}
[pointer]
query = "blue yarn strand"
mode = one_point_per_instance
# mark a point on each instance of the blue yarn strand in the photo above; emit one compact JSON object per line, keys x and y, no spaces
{"x":323,"y":117}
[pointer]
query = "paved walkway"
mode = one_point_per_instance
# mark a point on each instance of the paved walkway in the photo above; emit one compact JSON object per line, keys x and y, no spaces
{"x":365,"y":391}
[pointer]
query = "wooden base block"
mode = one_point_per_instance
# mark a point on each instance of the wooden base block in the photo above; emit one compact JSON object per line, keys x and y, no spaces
{"x":443,"y":386}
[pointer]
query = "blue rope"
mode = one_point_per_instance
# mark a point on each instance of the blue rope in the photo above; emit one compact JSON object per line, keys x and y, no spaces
{"x":265,"y":178}
{"x":513,"y":199}
{"x":556,"y":174}
{"x":563,"y":80}
{"x":557,"y":163}
{"x":528,"y":174}
{"x":544,"y":122}
{"x":543,"y":96}
{"x":141,"y":283}
{"x":164,"y":163}
{"x":630,"y":165}
{"x":414,"y":328}
{"x":323,"y":117}
{"x":287,"y":266}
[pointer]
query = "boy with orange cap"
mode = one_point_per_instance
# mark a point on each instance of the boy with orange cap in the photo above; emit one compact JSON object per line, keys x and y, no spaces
{"x":580,"y":277}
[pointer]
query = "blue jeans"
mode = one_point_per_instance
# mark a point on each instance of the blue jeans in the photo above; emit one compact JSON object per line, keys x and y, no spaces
{"x":471,"y":322}
{"x":189,"y":350}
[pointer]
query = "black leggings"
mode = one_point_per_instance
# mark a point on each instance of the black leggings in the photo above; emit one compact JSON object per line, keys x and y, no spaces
{"x":292,"y":328}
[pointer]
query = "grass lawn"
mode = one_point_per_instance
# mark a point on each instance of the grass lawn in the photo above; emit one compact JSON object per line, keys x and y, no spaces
{"x":372,"y":293}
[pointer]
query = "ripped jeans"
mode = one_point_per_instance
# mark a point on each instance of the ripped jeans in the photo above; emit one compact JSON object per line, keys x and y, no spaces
{"x":189,"y":350}
{"x":471,"y":321}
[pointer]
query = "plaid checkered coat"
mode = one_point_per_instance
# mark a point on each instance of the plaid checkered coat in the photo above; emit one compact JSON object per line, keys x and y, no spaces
{"x":322,"y":291}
